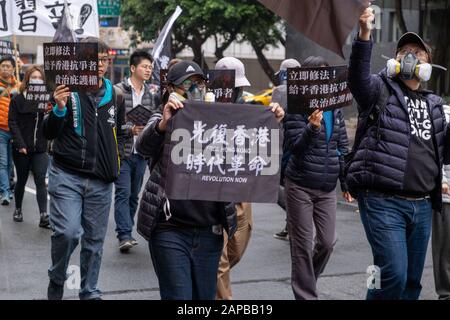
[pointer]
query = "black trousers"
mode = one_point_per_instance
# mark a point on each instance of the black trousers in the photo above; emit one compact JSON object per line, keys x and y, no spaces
{"x":36,"y":163}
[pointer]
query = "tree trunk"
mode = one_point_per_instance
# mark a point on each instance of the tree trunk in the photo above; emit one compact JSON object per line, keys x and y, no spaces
{"x":400,"y":17}
{"x":265,"y":65}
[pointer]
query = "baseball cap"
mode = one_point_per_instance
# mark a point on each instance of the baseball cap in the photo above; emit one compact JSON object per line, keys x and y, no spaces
{"x":231,"y":63}
{"x":182,"y":70}
{"x":412,"y":37}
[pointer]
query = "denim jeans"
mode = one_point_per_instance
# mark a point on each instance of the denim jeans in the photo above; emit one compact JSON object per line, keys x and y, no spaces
{"x":126,"y":198}
{"x":398,"y":232}
{"x":5,"y":163}
{"x":79,"y":208}
{"x":186,"y":263}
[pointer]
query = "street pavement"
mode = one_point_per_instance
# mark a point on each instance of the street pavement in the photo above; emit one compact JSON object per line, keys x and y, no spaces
{"x":263,"y":273}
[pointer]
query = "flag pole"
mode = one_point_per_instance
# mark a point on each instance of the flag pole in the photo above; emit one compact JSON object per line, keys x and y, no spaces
{"x":16,"y":57}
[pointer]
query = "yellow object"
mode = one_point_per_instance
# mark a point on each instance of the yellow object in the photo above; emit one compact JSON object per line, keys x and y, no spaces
{"x":264,"y":97}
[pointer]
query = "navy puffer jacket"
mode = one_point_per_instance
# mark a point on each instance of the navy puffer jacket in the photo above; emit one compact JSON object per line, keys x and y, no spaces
{"x":314,"y":163}
{"x":381,"y":159}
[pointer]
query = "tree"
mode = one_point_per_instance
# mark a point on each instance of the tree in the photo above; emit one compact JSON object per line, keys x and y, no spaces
{"x":226,"y":21}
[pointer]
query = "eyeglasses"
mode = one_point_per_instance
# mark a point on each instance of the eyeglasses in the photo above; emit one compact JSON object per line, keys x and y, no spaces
{"x":417,"y":52}
{"x":146,"y":66}
{"x":104,"y":60}
{"x":187,"y":84}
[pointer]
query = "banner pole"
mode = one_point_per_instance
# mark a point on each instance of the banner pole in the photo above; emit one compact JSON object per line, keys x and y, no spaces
{"x":16,"y":57}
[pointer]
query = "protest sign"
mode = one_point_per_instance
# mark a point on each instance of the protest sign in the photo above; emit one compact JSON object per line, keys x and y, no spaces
{"x":312,"y":88}
{"x":41,"y":17}
{"x":223,"y":152}
{"x":221,"y":83}
{"x":6,"y":48}
{"x":37,"y":97}
{"x":72,"y":64}
{"x":139,"y":115}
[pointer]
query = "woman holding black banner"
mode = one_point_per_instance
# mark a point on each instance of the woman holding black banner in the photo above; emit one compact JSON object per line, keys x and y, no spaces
{"x":185,"y":236}
{"x":29,"y":146}
{"x":318,"y":144}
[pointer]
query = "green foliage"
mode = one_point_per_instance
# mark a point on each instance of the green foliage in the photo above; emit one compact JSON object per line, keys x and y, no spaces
{"x":241,"y":20}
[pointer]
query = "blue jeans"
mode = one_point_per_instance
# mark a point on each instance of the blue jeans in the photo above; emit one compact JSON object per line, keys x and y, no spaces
{"x":5,"y":163}
{"x":128,"y":186}
{"x":186,"y":263}
{"x":398,"y":231}
{"x":79,"y":208}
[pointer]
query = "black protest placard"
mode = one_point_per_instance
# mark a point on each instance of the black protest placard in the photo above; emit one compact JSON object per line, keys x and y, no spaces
{"x":221,"y":83}
{"x":223,"y":152}
{"x":139,"y":115}
{"x":37,"y":97}
{"x":72,"y":64}
{"x":6,"y":48}
{"x":312,"y":88}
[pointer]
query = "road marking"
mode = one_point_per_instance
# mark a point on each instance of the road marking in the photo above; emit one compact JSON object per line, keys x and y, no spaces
{"x":32,"y":191}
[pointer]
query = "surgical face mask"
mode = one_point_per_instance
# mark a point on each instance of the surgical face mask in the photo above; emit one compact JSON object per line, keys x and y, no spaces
{"x":36,"y":81}
{"x":282,"y":77}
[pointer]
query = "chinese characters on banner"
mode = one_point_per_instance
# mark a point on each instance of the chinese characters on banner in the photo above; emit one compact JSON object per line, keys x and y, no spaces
{"x":72,"y":64}
{"x":41,"y":17}
{"x":6,"y":48}
{"x":37,"y":97}
{"x":221,"y":83}
{"x":223,"y":152}
{"x":323,"y":88}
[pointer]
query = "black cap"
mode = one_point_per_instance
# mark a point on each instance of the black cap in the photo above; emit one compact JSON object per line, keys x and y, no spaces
{"x":411,"y":37}
{"x":182,"y":70}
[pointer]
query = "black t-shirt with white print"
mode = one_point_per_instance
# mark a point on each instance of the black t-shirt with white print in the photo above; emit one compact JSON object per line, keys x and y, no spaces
{"x":422,"y":168}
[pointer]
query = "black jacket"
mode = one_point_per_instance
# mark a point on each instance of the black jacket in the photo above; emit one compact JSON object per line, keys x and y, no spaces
{"x":150,"y":143}
{"x":86,"y":137}
{"x":26,"y":127}
{"x":381,"y":159}
{"x":150,"y":100}
{"x":314,"y":163}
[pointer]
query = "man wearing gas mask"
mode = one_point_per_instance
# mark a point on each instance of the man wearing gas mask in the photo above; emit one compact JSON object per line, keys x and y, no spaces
{"x":394,"y":169}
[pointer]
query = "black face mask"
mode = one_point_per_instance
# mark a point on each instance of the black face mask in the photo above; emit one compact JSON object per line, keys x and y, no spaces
{"x":408,"y":66}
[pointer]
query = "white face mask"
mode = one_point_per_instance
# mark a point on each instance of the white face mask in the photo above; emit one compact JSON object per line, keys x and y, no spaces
{"x":36,"y":81}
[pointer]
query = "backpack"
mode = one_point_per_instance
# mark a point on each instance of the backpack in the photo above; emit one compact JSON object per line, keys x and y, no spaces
{"x":366,"y":120}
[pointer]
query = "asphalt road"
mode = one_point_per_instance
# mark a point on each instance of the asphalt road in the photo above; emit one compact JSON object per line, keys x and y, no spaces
{"x":263,"y":273}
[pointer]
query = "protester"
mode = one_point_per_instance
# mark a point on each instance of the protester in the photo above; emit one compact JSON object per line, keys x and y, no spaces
{"x":317,"y":144}
{"x":396,"y":169}
{"x":29,"y":146}
{"x":84,"y":166}
{"x":279,"y":96}
{"x":8,"y":88}
{"x":440,"y":241}
{"x":128,"y":185}
{"x":234,"y":247}
{"x":185,"y":236}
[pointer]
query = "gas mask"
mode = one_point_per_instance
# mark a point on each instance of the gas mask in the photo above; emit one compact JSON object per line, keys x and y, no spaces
{"x":408,"y":68}
{"x":196,"y":93}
